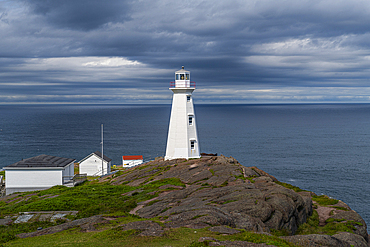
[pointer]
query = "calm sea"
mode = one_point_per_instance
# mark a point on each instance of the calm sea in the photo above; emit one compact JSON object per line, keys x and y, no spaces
{"x":321,"y":148}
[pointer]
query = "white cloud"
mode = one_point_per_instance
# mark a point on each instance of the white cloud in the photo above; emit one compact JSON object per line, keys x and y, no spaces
{"x":110,"y":62}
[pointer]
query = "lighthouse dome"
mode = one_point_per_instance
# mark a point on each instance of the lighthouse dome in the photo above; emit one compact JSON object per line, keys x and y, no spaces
{"x":182,"y":70}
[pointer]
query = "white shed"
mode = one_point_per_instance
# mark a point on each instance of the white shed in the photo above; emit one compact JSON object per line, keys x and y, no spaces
{"x":38,"y":173}
{"x":92,"y":165}
{"x":131,"y":160}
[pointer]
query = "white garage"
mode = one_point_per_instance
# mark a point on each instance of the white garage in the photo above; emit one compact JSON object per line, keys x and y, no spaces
{"x":38,"y":173}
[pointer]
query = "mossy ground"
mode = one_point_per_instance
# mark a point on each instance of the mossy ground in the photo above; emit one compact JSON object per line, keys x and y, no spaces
{"x":324,"y":200}
{"x":116,"y":237}
{"x":289,"y":186}
{"x":332,"y":226}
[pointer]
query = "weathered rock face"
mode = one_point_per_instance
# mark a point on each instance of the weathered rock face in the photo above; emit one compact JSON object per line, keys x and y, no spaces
{"x":220,"y":191}
{"x":217,"y":191}
{"x":316,"y":240}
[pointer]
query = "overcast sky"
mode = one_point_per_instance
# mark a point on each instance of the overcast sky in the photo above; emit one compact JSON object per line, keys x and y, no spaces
{"x":263,"y":51}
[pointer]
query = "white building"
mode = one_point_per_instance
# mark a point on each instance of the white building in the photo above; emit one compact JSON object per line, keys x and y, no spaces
{"x":182,"y":140}
{"x":92,"y":165}
{"x":131,"y":160}
{"x":38,"y":173}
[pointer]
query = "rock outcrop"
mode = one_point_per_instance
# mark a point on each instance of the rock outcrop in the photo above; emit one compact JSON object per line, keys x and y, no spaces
{"x":219,"y":191}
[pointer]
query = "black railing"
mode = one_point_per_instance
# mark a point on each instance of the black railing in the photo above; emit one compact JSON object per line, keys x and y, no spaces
{"x":79,"y":178}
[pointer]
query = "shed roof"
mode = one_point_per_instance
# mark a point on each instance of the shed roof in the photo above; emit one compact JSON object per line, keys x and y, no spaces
{"x":132,"y":157}
{"x":98,"y":154}
{"x":104,"y":157}
{"x":42,"y":161}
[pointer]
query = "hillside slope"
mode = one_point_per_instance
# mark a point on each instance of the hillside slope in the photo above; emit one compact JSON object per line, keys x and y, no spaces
{"x":211,"y":201}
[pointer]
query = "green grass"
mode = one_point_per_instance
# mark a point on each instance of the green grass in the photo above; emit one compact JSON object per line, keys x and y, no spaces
{"x":341,"y":208}
{"x":279,"y":233}
{"x":332,"y":227}
{"x":159,"y":183}
{"x":289,"y":186}
{"x":262,"y":238}
{"x":324,"y":200}
{"x":8,"y":233}
{"x":2,"y":173}
{"x":241,"y":176}
{"x":116,"y":237}
{"x":89,"y":199}
{"x":251,"y":178}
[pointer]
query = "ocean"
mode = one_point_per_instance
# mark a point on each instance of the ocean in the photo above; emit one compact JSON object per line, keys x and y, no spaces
{"x":323,"y":148}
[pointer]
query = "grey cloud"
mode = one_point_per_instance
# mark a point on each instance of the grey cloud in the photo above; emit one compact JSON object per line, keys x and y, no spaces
{"x":81,"y":14}
{"x":243,"y":43}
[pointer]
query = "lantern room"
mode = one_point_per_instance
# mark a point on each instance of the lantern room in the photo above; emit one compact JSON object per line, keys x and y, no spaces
{"x":182,"y":79}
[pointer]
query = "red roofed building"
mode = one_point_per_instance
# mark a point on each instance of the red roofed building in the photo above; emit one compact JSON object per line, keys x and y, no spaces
{"x":131,"y":160}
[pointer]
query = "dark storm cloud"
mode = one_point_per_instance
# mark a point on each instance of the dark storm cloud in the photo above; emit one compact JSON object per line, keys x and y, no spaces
{"x":78,"y":47}
{"x":81,"y":14}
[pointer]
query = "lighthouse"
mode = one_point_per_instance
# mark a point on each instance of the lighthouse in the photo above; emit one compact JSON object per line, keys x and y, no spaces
{"x":182,"y":140}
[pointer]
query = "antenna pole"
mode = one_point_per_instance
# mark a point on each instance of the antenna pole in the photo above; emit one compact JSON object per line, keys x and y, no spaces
{"x":102,"y":150}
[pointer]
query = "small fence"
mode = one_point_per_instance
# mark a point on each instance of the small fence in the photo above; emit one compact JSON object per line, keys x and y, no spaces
{"x":100,"y":173}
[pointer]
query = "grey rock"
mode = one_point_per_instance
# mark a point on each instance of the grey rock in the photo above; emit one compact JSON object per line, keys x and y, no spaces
{"x":237,"y":243}
{"x":23,"y":218}
{"x":211,"y":187}
{"x":352,"y":239}
{"x":65,"y":226}
{"x":4,"y":222}
{"x":359,"y":223}
{"x":149,"y":228}
{"x":217,"y":194}
{"x":316,"y":240}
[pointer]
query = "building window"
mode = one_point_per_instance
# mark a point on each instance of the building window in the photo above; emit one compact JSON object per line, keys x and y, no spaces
{"x":187,"y":77}
{"x":177,"y":77}
{"x":192,"y":144}
{"x":181,"y":76}
{"x":190,"y":120}
{"x":188,"y":98}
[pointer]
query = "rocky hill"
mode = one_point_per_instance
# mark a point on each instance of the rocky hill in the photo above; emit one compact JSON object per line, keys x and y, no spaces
{"x":221,"y":192}
{"x":213,"y":199}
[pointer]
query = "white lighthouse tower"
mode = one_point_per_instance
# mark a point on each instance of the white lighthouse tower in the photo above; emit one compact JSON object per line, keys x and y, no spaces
{"x":182,"y":141}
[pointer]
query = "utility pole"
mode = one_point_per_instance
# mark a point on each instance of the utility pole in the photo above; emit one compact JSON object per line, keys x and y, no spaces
{"x":102,"y":151}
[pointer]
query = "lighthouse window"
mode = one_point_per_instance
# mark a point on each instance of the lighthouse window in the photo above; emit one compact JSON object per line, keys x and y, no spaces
{"x":192,"y":144}
{"x":190,"y":120}
{"x":182,"y":77}
{"x":177,"y":77}
{"x":188,"y":98}
{"x":187,"y":76}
